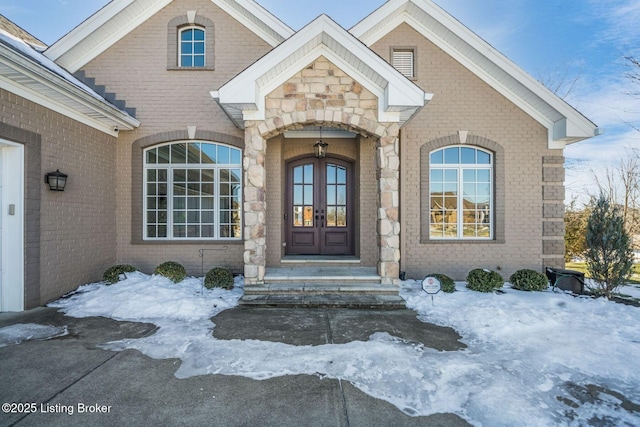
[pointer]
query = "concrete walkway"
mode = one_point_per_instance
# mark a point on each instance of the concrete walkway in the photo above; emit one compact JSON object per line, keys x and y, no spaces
{"x":71,"y":374}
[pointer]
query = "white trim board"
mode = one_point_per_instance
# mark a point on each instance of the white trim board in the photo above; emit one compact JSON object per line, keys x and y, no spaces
{"x":12,"y":229}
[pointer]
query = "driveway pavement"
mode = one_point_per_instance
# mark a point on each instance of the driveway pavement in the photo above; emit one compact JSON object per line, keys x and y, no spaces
{"x":72,"y":382}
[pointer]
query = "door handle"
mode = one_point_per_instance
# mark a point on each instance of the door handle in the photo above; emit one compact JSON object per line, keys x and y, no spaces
{"x":321,"y":221}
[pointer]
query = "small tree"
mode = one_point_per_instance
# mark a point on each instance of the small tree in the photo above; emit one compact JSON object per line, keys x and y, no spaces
{"x":609,"y":254}
{"x":575,"y":222}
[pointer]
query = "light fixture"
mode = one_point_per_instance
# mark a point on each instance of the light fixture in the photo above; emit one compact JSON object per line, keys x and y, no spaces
{"x":320,"y":147}
{"x":56,"y":180}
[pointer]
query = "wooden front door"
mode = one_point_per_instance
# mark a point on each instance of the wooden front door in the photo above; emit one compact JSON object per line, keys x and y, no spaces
{"x":319,"y":207}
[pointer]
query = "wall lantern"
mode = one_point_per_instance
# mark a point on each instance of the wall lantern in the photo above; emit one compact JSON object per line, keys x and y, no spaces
{"x":320,"y":147}
{"x":56,"y":180}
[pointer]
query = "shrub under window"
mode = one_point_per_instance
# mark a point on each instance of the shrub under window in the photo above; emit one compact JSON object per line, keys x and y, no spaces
{"x":171,"y":270}
{"x":482,"y":280}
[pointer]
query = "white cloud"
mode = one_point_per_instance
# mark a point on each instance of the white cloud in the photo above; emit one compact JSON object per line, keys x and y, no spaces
{"x":589,"y":159}
{"x":622,"y":17}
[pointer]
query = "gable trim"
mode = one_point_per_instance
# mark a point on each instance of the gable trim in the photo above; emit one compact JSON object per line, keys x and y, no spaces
{"x":119,"y":17}
{"x":243,"y":97}
{"x":564,"y":123}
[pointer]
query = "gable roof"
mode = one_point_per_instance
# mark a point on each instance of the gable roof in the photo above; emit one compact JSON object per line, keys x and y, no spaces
{"x":119,"y":17}
{"x":243,"y":97}
{"x":565,"y":124}
{"x":26,"y":72}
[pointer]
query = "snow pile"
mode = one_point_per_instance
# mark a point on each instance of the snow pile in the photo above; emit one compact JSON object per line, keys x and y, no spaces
{"x":153,"y":299}
{"x":527,"y":353}
{"x":15,"y":334}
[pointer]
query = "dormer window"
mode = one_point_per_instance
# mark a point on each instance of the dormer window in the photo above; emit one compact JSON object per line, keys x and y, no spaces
{"x":192,"y":47}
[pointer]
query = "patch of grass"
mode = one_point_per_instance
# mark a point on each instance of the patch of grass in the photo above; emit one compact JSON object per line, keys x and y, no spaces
{"x":582,"y":267}
{"x":577,"y":266}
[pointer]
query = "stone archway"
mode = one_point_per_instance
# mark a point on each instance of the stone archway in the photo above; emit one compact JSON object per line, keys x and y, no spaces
{"x":322,"y":95}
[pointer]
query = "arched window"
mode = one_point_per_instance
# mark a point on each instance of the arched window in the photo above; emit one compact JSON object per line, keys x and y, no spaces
{"x":193,"y":190}
{"x":192,"y":47}
{"x":460,"y":193}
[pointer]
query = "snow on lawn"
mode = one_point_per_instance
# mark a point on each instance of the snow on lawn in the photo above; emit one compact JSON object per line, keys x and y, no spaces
{"x":527,"y":355}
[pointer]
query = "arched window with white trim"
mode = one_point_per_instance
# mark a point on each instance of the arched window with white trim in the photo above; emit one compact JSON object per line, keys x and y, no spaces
{"x":193,"y":190}
{"x":192,"y":47}
{"x":460,"y":193}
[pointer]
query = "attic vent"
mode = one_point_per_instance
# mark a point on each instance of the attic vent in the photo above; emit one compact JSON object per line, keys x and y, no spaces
{"x":403,"y":61}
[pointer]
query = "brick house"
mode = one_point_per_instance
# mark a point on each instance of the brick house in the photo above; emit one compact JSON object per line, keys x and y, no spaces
{"x":442,"y":154}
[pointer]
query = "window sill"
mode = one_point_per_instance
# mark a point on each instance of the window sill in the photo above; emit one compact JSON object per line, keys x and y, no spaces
{"x":188,"y":242}
{"x":190,"y":68}
{"x":462,"y":242}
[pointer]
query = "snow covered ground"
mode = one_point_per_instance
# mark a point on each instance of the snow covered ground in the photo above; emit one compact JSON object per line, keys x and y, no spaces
{"x":531,"y":357}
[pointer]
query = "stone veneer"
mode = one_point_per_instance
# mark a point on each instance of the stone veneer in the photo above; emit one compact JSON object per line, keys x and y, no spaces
{"x":321,"y":95}
{"x":553,"y":193}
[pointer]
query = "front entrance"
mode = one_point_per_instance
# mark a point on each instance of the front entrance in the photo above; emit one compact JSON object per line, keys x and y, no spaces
{"x":319,"y":207}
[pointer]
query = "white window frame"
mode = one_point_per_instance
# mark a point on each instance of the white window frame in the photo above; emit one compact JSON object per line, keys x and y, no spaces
{"x":192,"y":54}
{"x":403,"y":59}
{"x":170,"y":167}
{"x":460,"y":167}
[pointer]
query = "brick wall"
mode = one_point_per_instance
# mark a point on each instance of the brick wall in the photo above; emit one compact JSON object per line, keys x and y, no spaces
{"x":167,"y":101}
{"x":70,"y":235}
{"x":462,"y":102}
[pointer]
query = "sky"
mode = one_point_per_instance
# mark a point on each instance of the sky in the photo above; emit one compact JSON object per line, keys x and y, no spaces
{"x":531,"y":354}
{"x":579,"y":42}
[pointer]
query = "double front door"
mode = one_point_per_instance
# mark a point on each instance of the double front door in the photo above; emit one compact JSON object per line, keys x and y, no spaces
{"x":319,"y":207}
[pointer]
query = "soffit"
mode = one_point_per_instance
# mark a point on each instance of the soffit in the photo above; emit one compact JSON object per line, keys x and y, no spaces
{"x":53,"y":88}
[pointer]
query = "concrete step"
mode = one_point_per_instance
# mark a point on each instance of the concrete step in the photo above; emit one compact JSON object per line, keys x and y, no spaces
{"x":345,"y":288}
{"x":322,"y":275}
{"x":379,"y":302}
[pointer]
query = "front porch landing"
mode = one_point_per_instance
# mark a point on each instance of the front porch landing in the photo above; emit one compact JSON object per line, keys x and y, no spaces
{"x":323,"y":286}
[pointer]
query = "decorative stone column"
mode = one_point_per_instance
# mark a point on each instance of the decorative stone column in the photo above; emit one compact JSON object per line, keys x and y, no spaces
{"x":321,"y":95}
{"x":254,"y":205}
{"x":388,"y":162}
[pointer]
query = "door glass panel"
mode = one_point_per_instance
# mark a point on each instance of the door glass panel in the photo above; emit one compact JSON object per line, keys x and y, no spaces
{"x":303,"y":196}
{"x":336,"y":189}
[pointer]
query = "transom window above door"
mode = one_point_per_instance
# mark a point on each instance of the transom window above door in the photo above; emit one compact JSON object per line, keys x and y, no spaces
{"x":460,"y":193}
{"x":192,"y":190}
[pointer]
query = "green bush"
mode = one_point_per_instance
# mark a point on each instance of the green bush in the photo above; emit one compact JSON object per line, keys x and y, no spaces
{"x":446,"y":283}
{"x":171,"y":270}
{"x":112,"y":274}
{"x":609,"y":252}
{"x":218,"y":277}
{"x":482,"y":280}
{"x":528,"y":280}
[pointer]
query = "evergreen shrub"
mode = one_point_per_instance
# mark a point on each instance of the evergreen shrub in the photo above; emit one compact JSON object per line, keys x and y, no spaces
{"x":529,"y":280}
{"x":446,"y":283}
{"x":112,"y":274}
{"x":219,"y":277}
{"x":609,"y":252}
{"x":482,"y":280}
{"x":171,"y":270}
